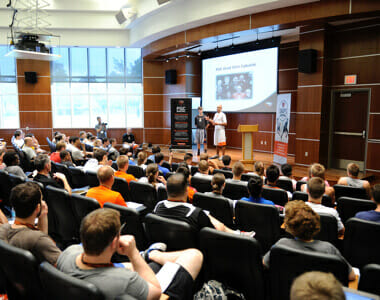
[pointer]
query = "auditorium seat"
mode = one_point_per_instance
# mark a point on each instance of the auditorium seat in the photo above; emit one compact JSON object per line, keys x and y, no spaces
{"x":348,"y":191}
{"x":143,"y":193}
{"x":261,"y":218}
{"x":63,"y":226}
{"x":166,"y":165}
{"x":348,"y":207}
{"x":82,"y":206}
{"x":369,"y":279}
{"x":362,"y":242}
{"x":162,"y":194}
{"x":177,"y":235}
{"x":121,"y":185}
{"x":297,"y":195}
{"x":277,"y":196}
{"x":136,"y":171}
{"x":247,"y":177}
{"x":193,"y":170}
{"x":285,"y":184}
{"x":89,"y":148}
{"x":92,"y":178}
{"x":168,"y":174}
{"x":114,"y":166}
{"x":299,"y":184}
{"x":78,"y":178}
{"x":134,"y":226}
{"x":288,"y":263}
{"x":174,"y":167}
{"x":235,"y":191}
{"x":60,"y":168}
{"x":227,"y":174}
{"x":221,"y":209}
{"x":328,"y":232}
{"x":234,"y":260}
{"x":60,"y":286}
{"x":20,"y":268}
{"x":201,"y":184}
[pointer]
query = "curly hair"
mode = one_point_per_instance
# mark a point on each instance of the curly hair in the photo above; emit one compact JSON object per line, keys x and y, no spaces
{"x":301,"y":221}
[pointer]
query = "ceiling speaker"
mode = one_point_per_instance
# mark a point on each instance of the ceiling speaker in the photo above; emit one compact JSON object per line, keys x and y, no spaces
{"x":125,"y":14}
{"x":160,"y":2}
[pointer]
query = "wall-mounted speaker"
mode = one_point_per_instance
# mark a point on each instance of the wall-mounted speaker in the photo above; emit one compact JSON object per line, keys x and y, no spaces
{"x":307,"y":61}
{"x":171,"y":76}
{"x":160,"y":2}
{"x":125,"y":14}
{"x":30,"y":77}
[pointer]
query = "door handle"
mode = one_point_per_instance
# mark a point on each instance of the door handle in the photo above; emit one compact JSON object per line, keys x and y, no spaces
{"x":363,"y":134}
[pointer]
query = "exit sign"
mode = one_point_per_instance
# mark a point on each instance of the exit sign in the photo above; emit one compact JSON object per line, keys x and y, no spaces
{"x":350,"y":79}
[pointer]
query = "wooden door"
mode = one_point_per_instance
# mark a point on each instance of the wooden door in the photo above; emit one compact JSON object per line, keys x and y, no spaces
{"x":349,"y":132}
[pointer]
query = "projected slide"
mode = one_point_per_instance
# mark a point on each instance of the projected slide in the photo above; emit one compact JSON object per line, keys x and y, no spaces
{"x":244,"y":82}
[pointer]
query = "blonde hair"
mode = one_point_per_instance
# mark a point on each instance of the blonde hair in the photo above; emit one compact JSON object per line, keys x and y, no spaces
{"x":122,"y":161}
{"x":141,"y":157}
{"x":259,"y":168}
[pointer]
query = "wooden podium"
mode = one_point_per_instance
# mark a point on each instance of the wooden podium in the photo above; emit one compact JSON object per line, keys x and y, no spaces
{"x":247,"y":143}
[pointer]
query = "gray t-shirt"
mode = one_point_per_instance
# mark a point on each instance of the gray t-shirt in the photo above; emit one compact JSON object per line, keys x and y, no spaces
{"x":15,"y":170}
{"x":30,"y":153}
{"x":111,"y":281}
{"x":314,"y":246}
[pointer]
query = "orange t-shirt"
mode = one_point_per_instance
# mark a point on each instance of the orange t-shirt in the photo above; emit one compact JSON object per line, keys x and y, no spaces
{"x":103,"y":195}
{"x":127,"y":177}
{"x":55,"y":156}
{"x":190,"y":193}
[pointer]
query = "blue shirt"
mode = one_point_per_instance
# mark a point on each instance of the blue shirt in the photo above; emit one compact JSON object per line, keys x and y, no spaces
{"x":369,"y":215}
{"x":131,"y":163}
{"x":163,"y":170}
{"x":151,"y":157}
{"x":259,"y":200}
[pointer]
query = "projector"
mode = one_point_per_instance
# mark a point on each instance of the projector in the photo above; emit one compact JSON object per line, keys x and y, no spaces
{"x":29,"y":42}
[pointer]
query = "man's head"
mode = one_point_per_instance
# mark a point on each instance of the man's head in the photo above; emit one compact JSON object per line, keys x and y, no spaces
{"x":156,"y":149}
{"x":58,"y":138}
{"x":316,"y":188}
{"x":301,"y":221}
{"x":99,"y":119}
{"x":316,"y":285}
{"x":113,"y":142}
{"x":105,"y":176}
{"x":42,"y":163}
{"x":376,"y":193}
{"x":317,"y":170}
{"x":226,"y":159}
{"x":219,"y":108}
{"x":11,"y":159}
{"x":99,"y":230}
{"x":106,"y":142}
{"x":28,"y":141}
{"x":177,"y":187}
{"x":159,"y":158}
{"x":286,"y":170}
{"x":122,"y":163}
{"x":255,"y":186}
{"x":76,"y":141}
{"x":272,"y":173}
{"x":200,"y":110}
{"x":61,"y":146}
{"x":100,"y":155}
{"x":203,"y":156}
{"x":353,"y":170}
{"x":238,"y":169}
{"x":64,"y":155}
{"x":18,"y":134}
{"x":203,"y":167}
{"x":188,"y":158}
{"x":82,"y":135}
{"x":129,"y":130}
{"x":26,"y":199}
{"x":184,"y":170}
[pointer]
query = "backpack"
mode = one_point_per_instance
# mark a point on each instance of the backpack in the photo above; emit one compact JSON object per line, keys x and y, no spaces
{"x":214,"y":290}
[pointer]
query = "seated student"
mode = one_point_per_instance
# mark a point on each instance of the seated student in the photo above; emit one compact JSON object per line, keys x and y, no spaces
{"x":29,"y":151}
{"x":66,"y":158}
{"x":303,"y":223}
{"x":123,"y":164}
{"x":316,"y":188}
{"x":204,"y":170}
{"x":18,"y":138}
{"x":2,"y":153}
{"x":184,"y":170}
{"x":76,"y":149}
{"x":141,"y":160}
{"x":153,"y":178}
{"x":188,"y":159}
{"x":35,"y":143}
{"x":177,"y":208}
{"x":273,"y":173}
{"x":255,"y":187}
{"x":98,"y":143}
{"x":91,"y":261}
{"x":213,"y":163}
{"x":83,"y":137}
{"x":226,"y":160}
{"x":237,"y":171}
{"x":12,"y":161}
{"x":316,"y":285}
{"x":105,"y":144}
{"x":55,"y":156}
{"x":372,"y":215}
{"x":100,"y":159}
{"x":352,"y":178}
{"x":286,"y":171}
{"x":112,"y":150}
{"x":159,"y":159}
{"x":155,"y":149}
{"x":125,"y":151}
{"x":218,"y":182}
{"x":43,"y":167}
{"x":26,"y":199}
{"x":104,"y":193}
{"x":259,"y":170}
{"x":315,"y":170}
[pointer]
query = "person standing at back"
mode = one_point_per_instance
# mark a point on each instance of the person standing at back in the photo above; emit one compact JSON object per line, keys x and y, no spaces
{"x":101,"y":129}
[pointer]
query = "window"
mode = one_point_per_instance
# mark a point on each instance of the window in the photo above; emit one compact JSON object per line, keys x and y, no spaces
{"x":91,"y":82}
{"x":9,"y":112}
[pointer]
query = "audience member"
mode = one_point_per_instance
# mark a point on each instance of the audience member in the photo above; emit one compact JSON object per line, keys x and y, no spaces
{"x":129,"y":141}
{"x":113,"y":154}
{"x":213,"y":163}
{"x":2,"y":153}
{"x":226,"y":160}
{"x":141,"y":160}
{"x":177,"y":208}
{"x":286,"y":171}
{"x":43,"y":167}
{"x":303,"y":223}
{"x":55,"y":156}
{"x":100,"y":159}
{"x":184,"y":170}
{"x":76,"y":149}
{"x":159,"y":159}
{"x":237,"y":171}
{"x":155,"y":149}
{"x":29,"y":151}
{"x":273,"y":173}
{"x":153,"y":178}
{"x":258,"y":170}
{"x":352,"y":178}
{"x":188,"y":159}
{"x":83,"y":137}
{"x":91,"y":261}
{"x":122,"y":164}
{"x":372,"y":215}
{"x":104,"y":193}
{"x":66,"y":158}
{"x":105,"y":144}
{"x":316,"y":286}
{"x":35,"y":143}
{"x":26,"y":199}
{"x":218,"y":182}
{"x":18,"y":138}
{"x":12,"y":161}
{"x":255,"y":188}
{"x":97,"y":143}
{"x":317,"y":170}
{"x":316,"y":188}
{"x":203,"y":168}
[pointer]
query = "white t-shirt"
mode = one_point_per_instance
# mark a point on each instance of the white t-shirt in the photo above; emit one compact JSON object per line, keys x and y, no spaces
{"x":220,"y":118}
{"x":319,"y":208}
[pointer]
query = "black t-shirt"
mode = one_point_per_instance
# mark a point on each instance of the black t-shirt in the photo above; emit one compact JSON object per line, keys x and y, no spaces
{"x":200,"y":122}
{"x":48,"y":181}
{"x":128,"y":138}
{"x":181,"y":211}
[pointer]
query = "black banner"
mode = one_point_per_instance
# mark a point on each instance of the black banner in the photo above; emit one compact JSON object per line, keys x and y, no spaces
{"x":181,"y":123}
